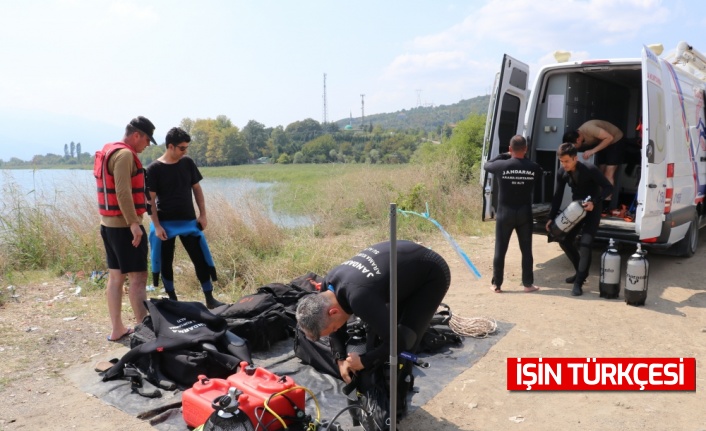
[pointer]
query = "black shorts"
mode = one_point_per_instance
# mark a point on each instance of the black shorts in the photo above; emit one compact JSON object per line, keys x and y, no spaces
{"x":611,"y":155}
{"x":120,"y":254}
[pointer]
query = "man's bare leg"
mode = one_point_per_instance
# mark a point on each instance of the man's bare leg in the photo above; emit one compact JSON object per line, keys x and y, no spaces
{"x":138,"y":294}
{"x":114,"y":296}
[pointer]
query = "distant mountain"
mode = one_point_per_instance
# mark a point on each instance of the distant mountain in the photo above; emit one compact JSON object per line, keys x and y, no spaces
{"x":427,"y":118}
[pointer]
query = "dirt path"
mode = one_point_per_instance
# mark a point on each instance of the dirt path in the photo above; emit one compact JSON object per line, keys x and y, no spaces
{"x":50,"y":329}
{"x":551,"y":323}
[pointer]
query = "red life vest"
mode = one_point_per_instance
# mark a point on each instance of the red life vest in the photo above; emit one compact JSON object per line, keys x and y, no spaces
{"x":105,"y":182}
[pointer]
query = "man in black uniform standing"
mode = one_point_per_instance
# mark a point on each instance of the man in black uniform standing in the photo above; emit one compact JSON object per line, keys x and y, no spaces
{"x":361,"y":286}
{"x":585,"y":180}
{"x":517,"y":177}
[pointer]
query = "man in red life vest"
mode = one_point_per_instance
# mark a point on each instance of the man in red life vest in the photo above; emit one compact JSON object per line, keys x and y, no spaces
{"x":120,"y":182}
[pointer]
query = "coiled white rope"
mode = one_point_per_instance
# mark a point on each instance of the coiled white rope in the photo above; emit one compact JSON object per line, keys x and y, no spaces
{"x":476,"y":327}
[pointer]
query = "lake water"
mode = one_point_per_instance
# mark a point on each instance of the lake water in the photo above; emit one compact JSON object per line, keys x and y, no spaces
{"x":62,"y":183}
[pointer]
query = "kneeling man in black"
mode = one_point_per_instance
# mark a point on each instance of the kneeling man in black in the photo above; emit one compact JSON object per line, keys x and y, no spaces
{"x":360,"y":286}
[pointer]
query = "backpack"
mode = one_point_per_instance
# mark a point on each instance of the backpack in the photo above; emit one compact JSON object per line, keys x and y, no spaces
{"x":259,"y":319}
{"x":290,"y":294}
{"x":309,"y":282}
{"x":317,"y":354}
{"x":286,"y":294}
{"x":439,"y":334}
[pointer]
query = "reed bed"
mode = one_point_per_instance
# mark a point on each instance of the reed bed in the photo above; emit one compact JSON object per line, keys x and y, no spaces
{"x":348,"y":206}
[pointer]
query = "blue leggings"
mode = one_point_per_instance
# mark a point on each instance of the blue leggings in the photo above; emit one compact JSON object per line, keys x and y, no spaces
{"x":193,"y":249}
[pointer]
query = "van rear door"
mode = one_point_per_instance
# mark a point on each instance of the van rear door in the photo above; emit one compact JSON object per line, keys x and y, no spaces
{"x":506,"y":115}
{"x":652,"y":190}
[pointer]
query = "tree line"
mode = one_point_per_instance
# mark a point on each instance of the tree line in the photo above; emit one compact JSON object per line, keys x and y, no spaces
{"x":217,"y":142}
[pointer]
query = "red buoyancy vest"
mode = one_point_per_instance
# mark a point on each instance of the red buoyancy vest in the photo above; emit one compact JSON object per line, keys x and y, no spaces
{"x":105,"y":182}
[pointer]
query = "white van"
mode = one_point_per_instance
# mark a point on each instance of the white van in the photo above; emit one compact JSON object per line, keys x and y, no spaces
{"x":658,"y":103}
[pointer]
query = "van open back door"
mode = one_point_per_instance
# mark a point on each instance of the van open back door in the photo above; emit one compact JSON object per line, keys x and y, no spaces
{"x":506,"y":114}
{"x":652,"y":190}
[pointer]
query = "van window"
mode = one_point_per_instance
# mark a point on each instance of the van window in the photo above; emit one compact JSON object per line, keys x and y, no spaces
{"x":518,"y":78}
{"x":509,"y":117}
{"x":657,"y":124}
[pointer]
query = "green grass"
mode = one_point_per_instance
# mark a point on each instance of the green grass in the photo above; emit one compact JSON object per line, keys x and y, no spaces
{"x":297,"y":186}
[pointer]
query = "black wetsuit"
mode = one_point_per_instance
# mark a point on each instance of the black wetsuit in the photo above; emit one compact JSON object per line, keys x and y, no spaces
{"x":362,"y":287}
{"x":173,"y":184}
{"x":516,"y":179}
{"x":585,"y":180}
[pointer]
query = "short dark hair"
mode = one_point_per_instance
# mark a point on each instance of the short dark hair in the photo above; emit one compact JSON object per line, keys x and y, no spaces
{"x":177,"y":135}
{"x":518,"y":142}
{"x":312,"y":314}
{"x":571,"y":136}
{"x":567,"y":149}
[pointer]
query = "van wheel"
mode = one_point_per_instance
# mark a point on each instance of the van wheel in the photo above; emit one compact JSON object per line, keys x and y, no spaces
{"x":688,"y":245}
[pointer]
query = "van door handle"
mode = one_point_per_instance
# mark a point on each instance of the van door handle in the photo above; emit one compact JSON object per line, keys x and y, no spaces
{"x":652,"y":186}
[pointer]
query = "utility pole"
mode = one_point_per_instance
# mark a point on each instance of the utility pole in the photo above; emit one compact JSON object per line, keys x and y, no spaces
{"x":325,"y":107}
{"x":362,"y":110}
{"x":419,"y":98}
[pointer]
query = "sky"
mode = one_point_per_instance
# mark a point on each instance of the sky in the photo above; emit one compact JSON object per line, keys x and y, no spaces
{"x":79,"y":70}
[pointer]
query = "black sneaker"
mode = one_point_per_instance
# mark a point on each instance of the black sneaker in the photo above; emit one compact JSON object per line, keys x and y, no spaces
{"x":576,"y":291}
{"x":570,"y":280}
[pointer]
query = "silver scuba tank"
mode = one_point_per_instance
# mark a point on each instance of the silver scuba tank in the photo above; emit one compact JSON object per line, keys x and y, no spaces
{"x":636,"y":278}
{"x":609,"y":284}
{"x":568,"y":218}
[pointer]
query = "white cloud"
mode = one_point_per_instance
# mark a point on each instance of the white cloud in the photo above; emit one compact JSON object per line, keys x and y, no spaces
{"x":413,"y":64}
{"x":468,"y":54}
{"x":530,"y":25}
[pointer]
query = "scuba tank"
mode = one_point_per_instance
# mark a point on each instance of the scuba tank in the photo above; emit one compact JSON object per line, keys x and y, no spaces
{"x":567,"y":219}
{"x":609,"y":284}
{"x":636,"y":277}
{"x":227,"y":416}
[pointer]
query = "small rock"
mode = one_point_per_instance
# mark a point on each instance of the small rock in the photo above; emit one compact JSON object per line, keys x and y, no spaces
{"x":517,"y":419}
{"x":68,"y":319}
{"x":472,"y":405}
{"x":558,"y":342}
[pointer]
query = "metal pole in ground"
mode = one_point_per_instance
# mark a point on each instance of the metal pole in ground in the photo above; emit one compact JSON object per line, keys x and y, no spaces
{"x":393,"y":317}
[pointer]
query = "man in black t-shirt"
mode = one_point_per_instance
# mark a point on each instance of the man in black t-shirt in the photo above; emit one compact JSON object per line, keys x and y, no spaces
{"x":516,"y":178}
{"x":171,"y":180}
{"x":360,"y":286}
{"x":585,"y":180}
